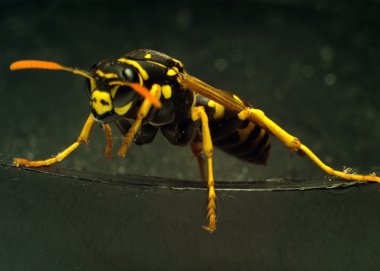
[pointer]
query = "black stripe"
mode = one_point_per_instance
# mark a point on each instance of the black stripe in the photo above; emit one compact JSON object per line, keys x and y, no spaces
{"x":261,"y":157}
{"x":245,"y":145}
{"x":223,"y":128}
{"x":230,"y":139}
{"x":254,"y":150}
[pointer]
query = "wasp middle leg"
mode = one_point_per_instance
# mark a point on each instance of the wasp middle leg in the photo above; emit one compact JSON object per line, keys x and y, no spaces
{"x":199,"y":113}
{"x":108,"y":131}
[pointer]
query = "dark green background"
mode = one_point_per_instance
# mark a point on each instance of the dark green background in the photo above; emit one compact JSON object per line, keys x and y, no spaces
{"x":313,"y":67}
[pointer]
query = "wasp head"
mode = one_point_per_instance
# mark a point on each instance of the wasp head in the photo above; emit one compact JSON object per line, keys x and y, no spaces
{"x":113,"y":87}
{"x":112,"y":91}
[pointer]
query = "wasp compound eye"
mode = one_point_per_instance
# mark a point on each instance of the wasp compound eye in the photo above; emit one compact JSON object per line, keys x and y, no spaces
{"x":131,"y":75}
{"x":88,"y":88}
{"x":123,"y":96}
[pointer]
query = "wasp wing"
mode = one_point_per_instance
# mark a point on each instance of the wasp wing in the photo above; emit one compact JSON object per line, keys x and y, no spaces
{"x":226,"y":99}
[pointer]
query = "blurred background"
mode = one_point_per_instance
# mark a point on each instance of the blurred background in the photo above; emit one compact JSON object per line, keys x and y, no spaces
{"x":312,"y":66}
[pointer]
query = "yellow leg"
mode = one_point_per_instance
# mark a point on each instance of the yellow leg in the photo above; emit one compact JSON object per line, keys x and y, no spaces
{"x":108,"y":131}
{"x":142,"y":113}
{"x":197,"y":150}
{"x":83,"y":138}
{"x":199,"y":113}
{"x":258,"y":116}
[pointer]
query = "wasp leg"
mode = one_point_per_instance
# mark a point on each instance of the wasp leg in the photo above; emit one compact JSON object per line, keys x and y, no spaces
{"x":258,"y":116}
{"x":142,"y":113}
{"x":108,"y":131}
{"x":197,"y":149}
{"x":83,"y":138}
{"x":200,"y":113}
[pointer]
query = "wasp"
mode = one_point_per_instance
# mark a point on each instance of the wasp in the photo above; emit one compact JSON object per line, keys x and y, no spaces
{"x":145,"y":91}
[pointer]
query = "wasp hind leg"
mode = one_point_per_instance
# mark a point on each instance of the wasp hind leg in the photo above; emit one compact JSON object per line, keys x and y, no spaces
{"x":199,"y":113}
{"x":295,"y":145}
{"x":83,"y":138}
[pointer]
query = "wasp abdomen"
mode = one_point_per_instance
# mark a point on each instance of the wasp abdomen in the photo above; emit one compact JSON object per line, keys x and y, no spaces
{"x":248,"y":142}
{"x":240,"y":138}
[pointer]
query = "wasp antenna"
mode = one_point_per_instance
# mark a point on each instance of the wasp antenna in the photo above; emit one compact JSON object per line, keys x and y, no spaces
{"x":46,"y":65}
{"x":35,"y":64}
{"x":143,"y":91}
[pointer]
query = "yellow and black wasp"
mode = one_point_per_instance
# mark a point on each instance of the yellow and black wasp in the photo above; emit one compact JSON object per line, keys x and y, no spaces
{"x":145,"y":91}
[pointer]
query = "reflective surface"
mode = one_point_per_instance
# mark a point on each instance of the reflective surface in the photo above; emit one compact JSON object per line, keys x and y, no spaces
{"x":66,"y":223}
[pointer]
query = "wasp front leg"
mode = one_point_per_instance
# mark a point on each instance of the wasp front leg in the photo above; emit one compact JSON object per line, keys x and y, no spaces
{"x":83,"y":138}
{"x":199,"y":113}
{"x":295,"y":145}
{"x":142,"y":113}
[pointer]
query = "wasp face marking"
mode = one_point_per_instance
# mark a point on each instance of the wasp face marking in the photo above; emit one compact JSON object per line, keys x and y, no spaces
{"x":100,"y":103}
{"x":109,"y":98}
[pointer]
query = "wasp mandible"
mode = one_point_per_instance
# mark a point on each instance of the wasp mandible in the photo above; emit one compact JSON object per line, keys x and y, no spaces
{"x":145,"y":91}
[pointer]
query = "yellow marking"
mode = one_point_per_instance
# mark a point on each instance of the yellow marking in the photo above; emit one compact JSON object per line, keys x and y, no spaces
{"x":148,"y":56}
{"x":243,"y":135}
{"x":166,"y":91}
{"x":106,"y":75}
{"x":92,"y":84}
{"x":101,"y":102}
{"x":141,"y":79}
{"x":219,"y":109}
{"x":114,"y":91}
{"x":258,"y":137}
{"x":135,"y":64}
{"x":245,"y":132}
{"x":121,"y":111}
{"x":157,"y":63}
{"x":178,"y":62}
{"x":237,"y":98}
{"x":171,"y":72}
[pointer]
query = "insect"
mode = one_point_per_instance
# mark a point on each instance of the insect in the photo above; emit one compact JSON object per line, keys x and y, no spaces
{"x":145,"y":91}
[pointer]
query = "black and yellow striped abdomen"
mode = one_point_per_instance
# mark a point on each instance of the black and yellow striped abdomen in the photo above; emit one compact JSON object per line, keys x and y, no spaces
{"x":248,"y":142}
{"x":240,"y":138}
